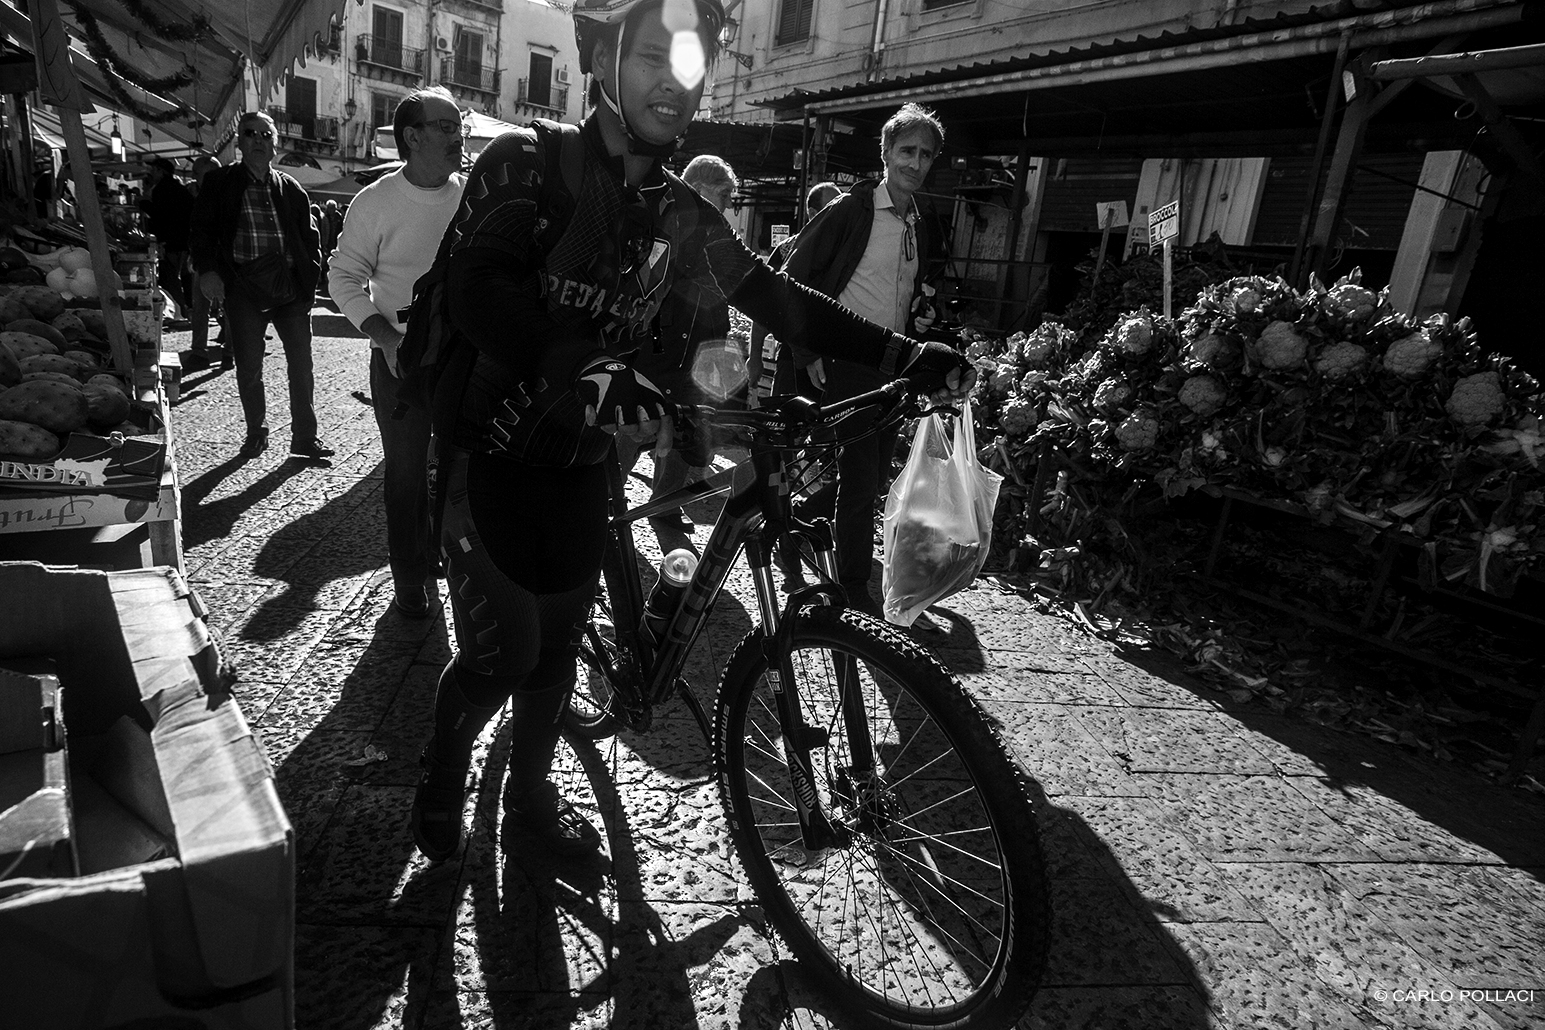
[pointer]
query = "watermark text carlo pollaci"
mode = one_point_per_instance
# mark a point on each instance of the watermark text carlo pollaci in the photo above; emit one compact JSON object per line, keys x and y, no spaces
{"x":1492,"y":995}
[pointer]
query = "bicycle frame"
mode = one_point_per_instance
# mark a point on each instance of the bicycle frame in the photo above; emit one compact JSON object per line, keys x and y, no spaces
{"x":756,"y":514}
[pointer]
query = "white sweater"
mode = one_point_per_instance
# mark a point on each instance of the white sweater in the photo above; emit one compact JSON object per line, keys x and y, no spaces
{"x":390,"y":235}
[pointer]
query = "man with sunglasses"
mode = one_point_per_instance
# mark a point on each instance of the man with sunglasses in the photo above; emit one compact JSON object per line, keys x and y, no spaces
{"x":389,"y":238}
{"x":540,"y":383}
{"x":256,"y":249}
{"x":868,"y":250}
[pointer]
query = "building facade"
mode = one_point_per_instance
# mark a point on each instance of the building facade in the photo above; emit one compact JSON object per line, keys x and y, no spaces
{"x":513,"y":60}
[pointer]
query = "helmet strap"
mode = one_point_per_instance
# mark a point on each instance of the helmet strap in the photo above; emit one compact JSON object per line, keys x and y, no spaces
{"x":637,"y":146}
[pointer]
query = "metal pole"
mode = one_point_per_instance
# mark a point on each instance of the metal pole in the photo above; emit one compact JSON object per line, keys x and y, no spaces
{"x":804,"y":173}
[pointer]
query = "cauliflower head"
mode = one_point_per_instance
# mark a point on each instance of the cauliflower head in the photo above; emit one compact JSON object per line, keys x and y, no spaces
{"x":1412,"y":355}
{"x":1133,"y":335}
{"x":1340,"y":360}
{"x":1281,"y":346}
{"x":1032,"y":381}
{"x":1204,"y":395}
{"x":1352,"y":302}
{"x":1244,"y":300}
{"x":1002,"y":377}
{"x":1215,"y":352}
{"x":1476,"y":399}
{"x":1139,"y":431}
{"x":1113,"y":393}
{"x":1018,"y":417}
{"x":1037,"y":349}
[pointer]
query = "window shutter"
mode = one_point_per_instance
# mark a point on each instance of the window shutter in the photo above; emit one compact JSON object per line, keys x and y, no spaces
{"x":794,"y":21}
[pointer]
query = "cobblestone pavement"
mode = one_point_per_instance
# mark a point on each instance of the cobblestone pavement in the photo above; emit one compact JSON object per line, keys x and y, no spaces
{"x":1209,"y":866}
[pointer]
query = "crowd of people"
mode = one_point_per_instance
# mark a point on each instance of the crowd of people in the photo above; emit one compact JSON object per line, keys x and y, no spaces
{"x":617,"y":263}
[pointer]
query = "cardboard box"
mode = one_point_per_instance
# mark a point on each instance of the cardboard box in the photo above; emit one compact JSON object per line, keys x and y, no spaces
{"x":205,"y":938}
{"x":129,"y":466}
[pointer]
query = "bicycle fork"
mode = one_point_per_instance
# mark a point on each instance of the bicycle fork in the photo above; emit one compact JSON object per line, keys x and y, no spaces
{"x":817,"y":827}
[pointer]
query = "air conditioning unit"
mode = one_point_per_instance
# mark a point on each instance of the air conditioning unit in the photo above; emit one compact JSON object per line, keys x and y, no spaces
{"x":441,"y":44}
{"x":563,"y":74}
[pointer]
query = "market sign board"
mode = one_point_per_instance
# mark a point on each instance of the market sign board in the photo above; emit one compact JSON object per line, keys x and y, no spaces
{"x":1164,"y":223}
{"x":779,"y":234}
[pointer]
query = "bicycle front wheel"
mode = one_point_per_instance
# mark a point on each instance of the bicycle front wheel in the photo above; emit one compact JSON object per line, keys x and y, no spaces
{"x":592,"y":712}
{"x":934,"y":911}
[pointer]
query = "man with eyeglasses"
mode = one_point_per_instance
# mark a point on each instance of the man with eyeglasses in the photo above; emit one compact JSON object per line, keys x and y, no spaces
{"x":867,"y":249}
{"x":390,"y":235}
{"x":549,"y":303}
{"x":257,"y":250}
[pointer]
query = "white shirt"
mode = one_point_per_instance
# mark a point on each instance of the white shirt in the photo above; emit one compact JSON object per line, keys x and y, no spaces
{"x":881,"y":286}
{"x":390,"y":235}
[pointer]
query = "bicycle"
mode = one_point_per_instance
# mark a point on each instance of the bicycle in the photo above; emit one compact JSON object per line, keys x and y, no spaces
{"x":877,"y":815}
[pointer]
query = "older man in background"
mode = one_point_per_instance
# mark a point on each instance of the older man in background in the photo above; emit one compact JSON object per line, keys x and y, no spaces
{"x":255,"y":249}
{"x":389,"y":239}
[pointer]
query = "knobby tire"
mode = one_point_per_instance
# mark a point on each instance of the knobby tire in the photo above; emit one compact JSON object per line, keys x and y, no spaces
{"x":936,"y":913}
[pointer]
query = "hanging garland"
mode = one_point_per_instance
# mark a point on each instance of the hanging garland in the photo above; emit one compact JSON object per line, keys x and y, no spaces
{"x":172,"y":31}
{"x":103,"y":53}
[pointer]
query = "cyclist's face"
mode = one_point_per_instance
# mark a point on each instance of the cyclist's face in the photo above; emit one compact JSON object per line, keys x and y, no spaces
{"x":657,"y":104}
{"x":908,"y":161}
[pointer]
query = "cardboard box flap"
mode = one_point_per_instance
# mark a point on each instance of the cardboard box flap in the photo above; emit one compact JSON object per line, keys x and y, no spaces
{"x":232,"y":834}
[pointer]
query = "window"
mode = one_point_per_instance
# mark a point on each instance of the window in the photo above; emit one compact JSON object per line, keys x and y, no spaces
{"x":387,"y":26}
{"x":794,"y":21}
{"x":300,"y":104}
{"x":539,"y":89}
{"x":934,"y":5}
{"x":383,"y":108}
{"x":469,"y":57}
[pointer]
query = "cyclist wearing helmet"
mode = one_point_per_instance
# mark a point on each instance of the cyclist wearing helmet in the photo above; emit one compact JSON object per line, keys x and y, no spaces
{"x":526,"y":414}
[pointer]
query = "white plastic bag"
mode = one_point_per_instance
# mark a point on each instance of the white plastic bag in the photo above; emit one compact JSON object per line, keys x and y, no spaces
{"x":938,"y":518}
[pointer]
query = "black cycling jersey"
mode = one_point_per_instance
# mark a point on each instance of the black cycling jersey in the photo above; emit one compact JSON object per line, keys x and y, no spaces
{"x":534,"y":318}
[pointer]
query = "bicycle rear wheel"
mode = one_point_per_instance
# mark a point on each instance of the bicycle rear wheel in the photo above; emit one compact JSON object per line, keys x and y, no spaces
{"x":935,"y":913}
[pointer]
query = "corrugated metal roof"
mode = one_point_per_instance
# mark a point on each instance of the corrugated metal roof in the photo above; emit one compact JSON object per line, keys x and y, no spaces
{"x":1167,"y":39}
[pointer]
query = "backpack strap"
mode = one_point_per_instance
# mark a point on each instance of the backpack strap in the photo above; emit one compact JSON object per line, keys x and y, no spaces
{"x":563,"y":158}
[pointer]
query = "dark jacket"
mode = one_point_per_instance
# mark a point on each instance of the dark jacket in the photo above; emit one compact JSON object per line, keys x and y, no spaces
{"x":170,"y":210}
{"x":217,"y":212}
{"x":831,"y":246}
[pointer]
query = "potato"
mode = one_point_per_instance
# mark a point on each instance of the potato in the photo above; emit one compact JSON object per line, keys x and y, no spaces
{"x":10,"y":367}
{"x":52,"y":377}
{"x":26,"y":442}
{"x":57,"y":407}
{"x":54,"y":363}
{"x":105,"y":406}
{"x":12,"y":309}
{"x":43,"y":303}
{"x":25,"y":345}
{"x":43,"y":330}
{"x":103,"y":379}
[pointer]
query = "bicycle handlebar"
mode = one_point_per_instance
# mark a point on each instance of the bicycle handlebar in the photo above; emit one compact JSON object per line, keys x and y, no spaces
{"x":790,"y":421}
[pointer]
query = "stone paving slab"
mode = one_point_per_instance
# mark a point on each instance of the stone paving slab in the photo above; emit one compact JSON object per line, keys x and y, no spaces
{"x":1211,"y":865}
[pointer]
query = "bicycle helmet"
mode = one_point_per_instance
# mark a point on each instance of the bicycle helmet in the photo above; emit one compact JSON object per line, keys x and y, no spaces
{"x":592,"y":17}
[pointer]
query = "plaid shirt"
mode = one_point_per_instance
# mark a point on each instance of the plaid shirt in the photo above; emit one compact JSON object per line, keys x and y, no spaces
{"x":257,"y":227}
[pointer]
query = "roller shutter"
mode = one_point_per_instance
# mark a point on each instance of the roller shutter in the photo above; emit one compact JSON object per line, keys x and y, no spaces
{"x":1376,"y":206}
{"x":1077,"y":184}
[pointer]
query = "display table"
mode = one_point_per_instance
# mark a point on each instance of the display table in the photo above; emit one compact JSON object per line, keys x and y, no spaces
{"x":99,"y":530}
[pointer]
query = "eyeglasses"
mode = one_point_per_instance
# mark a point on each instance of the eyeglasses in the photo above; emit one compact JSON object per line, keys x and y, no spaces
{"x":448,"y":126}
{"x":630,"y":243}
{"x":258,"y":133}
{"x":909,"y":239}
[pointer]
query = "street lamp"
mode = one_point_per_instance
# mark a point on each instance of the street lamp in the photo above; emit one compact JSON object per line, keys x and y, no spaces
{"x":350,"y":109}
{"x":115,"y":141}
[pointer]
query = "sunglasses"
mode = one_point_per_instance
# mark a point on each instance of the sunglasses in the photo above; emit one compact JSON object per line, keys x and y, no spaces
{"x":447,"y":126}
{"x":909,"y":239}
{"x":629,"y":245}
{"x":258,"y":133}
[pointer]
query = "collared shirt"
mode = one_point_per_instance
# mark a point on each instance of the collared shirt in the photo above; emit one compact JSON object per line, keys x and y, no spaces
{"x":881,"y":286}
{"x":257,"y":226}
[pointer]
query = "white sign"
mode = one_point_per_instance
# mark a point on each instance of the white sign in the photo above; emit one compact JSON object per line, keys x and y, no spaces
{"x":1116,"y":210}
{"x":1164,"y":223}
{"x":779,"y":234}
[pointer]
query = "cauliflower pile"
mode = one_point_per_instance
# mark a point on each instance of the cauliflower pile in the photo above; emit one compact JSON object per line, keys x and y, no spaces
{"x":1326,"y":398}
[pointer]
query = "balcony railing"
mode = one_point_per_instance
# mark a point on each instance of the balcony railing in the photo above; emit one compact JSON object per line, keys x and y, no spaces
{"x":490,"y":5}
{"x":470,"y":76}
{"x":389,"y":53}
{"x":557,"y":97}
{"x":318,"y":129}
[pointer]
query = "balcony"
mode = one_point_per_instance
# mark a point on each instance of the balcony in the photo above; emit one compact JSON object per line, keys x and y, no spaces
{"x":553,"y":97}
{"x":385,"y":58}
{"x":486,"y":5}
{"x":457,"y":74}
{"x":306,"y":133}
